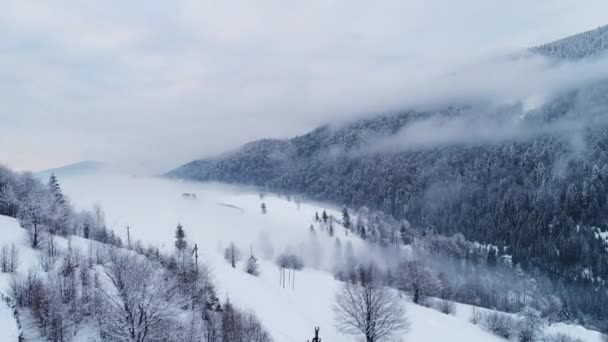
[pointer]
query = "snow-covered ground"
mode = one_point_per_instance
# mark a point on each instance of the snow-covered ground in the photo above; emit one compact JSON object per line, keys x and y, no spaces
{"x":8,"y":326}
{"x":221,"y":214}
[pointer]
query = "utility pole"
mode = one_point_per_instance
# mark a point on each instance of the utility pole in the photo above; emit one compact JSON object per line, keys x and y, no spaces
{"x":128,"y":237}
{"x":195,"y":252}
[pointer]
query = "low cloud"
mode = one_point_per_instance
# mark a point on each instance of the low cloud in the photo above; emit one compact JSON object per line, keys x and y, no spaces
{"x":504,"y":101}
{"x":154,"y":85}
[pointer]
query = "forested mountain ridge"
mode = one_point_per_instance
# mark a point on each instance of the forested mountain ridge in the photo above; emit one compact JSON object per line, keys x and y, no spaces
{"x":533,"y":182}
{"x":583,"y":45}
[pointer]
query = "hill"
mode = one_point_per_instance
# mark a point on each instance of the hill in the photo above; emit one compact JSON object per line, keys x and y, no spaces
{"x":82,"y":168}
{"x":588,"y":44}
{"x":530,"y":181}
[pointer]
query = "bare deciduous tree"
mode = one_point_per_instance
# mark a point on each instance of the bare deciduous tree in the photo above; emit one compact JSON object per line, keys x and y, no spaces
{"x":138,"y":302}
{"x":9,"y":259}
{"x":366,"y":307}
{"x":232,"y":254}
{"x":418,"y":280}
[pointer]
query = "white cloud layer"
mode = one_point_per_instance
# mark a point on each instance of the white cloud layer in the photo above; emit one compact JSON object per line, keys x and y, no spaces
{"x":153,"y":84}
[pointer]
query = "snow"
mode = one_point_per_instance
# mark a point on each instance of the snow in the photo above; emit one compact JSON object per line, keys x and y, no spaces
{"x":11,"y":232}
{"x":8,"y":327}
{"x":574,"y":331}
{"x":222,"y":214}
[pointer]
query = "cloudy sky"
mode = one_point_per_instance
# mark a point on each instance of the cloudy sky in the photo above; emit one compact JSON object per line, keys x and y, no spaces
{"x":152,"y":84}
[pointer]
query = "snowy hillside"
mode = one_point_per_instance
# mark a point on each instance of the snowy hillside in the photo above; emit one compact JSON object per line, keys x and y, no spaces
{"x":220,"y":214}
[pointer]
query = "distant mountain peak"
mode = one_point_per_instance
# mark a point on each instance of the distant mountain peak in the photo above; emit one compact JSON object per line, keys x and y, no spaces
{"x":82,"y":168}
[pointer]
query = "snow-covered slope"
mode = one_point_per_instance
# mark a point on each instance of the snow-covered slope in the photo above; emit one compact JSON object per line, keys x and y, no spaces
{"x":8,"y":326}
{"x":220,"y":214}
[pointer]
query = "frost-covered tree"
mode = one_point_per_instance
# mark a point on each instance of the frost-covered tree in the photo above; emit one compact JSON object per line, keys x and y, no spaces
{"x":9,"y":258}
{"x":33,"y":214}
{"x":252,"y":266}
{"x":137,"y":301}
{"x":417,"y":279}
{"x":292,"y":263}
{"x":367,"y":308}
{"x":345,"y":218}
{"x":232,"y":254}
{"x":529,"y":326}
{"x":263,"y":208}
{"x":180,"y":238}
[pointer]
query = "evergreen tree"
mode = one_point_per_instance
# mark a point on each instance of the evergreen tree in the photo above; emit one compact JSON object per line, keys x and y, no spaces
{"x":345,"y":218}
{"x":331,"y":228}
{"x":405,"y":238}
{"x":324,"y":216}
{"x":56,"y":190}
{"x":180,"y":238}
{"x":492,"y":258}
{"x":263,"y":207}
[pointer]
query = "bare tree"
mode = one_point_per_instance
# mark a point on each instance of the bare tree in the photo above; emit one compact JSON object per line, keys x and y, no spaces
{"x":292,"y":263}
{"x":4,"y":259}
{"x":32,"y":216}
{"x":366,"y":307}
{"x":13,"y":259}
{"x":232,"y":254}
{"x":138,"y":302}
{"x":418,"y":280}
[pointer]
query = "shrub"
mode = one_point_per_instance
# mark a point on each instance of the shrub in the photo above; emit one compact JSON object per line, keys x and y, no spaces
{"x":529,"y":326}
{"x":560,"y":337}
{"x":499,"y":324}
{"x":476,"y":316}
{"x":445,"y":306}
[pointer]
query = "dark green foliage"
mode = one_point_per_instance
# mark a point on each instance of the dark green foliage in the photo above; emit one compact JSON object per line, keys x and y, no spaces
{"x":345,"y":218}
{"x":180,"y":238}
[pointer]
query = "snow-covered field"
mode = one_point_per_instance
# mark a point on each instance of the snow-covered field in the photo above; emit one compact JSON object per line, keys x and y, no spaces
{"x":221,"y":214}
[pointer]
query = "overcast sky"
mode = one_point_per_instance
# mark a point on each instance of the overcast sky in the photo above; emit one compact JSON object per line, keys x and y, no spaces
{"x":153,"y":84}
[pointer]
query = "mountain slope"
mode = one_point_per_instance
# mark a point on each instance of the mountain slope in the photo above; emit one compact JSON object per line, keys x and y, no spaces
{"x":583,"y":45}
{"x":531,"y":182}
{"x":288,"y":313}
{"x":82,"y":168}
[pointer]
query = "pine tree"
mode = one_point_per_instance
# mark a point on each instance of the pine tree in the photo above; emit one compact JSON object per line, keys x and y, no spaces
{"x":331,"y":228}
{"x":317,"y":219}
{"x":345,"y":218}
{"x":405,"y":238}
{"x":492,"y":259}
{"x":324,"y":216}
{"x":263,"y":207}
{"x":180,"y":238}
{"x":56,"y":190}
